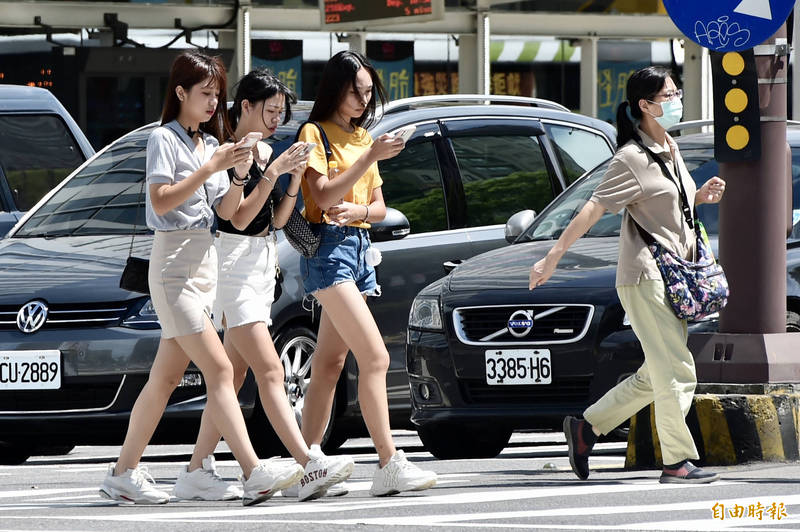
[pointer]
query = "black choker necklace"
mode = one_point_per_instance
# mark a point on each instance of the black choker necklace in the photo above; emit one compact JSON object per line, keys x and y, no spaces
{"x":192,"y":132}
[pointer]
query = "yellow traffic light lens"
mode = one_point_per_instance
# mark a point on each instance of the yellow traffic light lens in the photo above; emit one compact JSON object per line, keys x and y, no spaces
{"x":733,"y":63}
{"x":736,"y":100}
{"x":737,"y":137}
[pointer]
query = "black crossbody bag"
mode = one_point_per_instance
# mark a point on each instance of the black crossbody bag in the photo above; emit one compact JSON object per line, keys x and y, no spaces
{"x":303,"y":235}
{"x":134,"y":276}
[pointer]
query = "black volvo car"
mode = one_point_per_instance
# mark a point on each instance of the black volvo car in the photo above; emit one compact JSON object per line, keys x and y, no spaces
{"x":486,"y":356}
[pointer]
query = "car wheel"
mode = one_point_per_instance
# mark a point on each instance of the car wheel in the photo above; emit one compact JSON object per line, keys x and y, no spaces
{"x":295,"y":348}
{"x":450,"y":442}
{"x":14,"y":453}
{"x":792,"y":321}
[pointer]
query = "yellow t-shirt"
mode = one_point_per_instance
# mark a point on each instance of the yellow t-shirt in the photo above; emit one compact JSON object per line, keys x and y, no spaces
{"x":346,"y":148}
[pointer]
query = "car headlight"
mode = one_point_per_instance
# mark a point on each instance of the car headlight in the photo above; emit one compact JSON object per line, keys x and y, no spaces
{"x":143,"y":318}
{"x":425,"y":313}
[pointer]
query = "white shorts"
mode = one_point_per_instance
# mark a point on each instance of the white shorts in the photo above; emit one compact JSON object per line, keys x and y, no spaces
{"x":182,"y":277}
{"x":246,"y":285}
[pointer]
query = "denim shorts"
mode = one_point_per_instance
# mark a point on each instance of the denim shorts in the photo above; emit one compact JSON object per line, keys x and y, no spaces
{"x":339,"y":259}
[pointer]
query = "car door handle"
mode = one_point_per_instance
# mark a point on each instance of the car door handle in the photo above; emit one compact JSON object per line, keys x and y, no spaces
{"x":450,"y":265}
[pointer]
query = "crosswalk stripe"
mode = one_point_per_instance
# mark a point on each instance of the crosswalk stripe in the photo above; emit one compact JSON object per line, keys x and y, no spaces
{"x":479,"y":497}
{"x":489,"y":519}
{"x":14,"y":494}
{"x":277,"y":514}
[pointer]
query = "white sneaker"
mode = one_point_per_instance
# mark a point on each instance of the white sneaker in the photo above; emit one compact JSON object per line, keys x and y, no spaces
{"x":133,"y":486}
{"x":400,"y":475}
{"x":205,"y":484}
{"x":267,"y":478}
{"x":322,"y":472}
{"x":338,"y":490}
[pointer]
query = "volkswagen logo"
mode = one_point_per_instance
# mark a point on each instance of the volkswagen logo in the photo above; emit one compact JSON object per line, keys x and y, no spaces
{"x":520,"y":323}
{"x":32,"y":316}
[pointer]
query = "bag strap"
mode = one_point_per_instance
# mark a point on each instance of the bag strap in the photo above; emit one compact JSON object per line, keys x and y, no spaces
{"x":684,"y":199}
{"x":687,"y":213}
{"x":136,"y":216}
{"x":191,"y":148}
{"x":325,"y":144}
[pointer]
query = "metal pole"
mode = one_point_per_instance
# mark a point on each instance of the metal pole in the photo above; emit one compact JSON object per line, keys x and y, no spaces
{"x":696,"y":82}
{"x":484,"y":40}
{"x":467,"y":64}
{"x":243,"y":40}
{"x":588,"y":80}
{"x":753,"y":247}
{"x":795,"y":70}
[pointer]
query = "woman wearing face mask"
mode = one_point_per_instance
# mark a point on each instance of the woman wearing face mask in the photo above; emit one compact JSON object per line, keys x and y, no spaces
{"x":247,"y":267}
{"x":634,"y":183}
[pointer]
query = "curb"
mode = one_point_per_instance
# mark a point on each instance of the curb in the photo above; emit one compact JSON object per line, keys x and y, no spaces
{"x":728,"y":429}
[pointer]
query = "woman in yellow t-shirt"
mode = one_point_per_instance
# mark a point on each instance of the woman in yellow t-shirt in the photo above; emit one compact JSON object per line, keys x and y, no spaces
{"x":341,"y":274}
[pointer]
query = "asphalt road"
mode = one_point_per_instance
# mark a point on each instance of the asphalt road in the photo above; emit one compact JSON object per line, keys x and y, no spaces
{"x":528,"y":487}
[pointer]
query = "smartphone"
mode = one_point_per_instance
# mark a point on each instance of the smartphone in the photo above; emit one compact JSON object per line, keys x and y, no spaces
{"x":309,"y":147}
{"x":249,"y":140}
{"x":404,"y":132}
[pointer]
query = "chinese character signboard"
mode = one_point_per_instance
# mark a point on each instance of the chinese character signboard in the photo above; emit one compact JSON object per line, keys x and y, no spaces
{"x":612,"y":78}
{"x":394,"y":62}
{"x":359,"y":14}
{"x":438,"y":82}
{"x":512,"y":83}
{"x":284,"y":58}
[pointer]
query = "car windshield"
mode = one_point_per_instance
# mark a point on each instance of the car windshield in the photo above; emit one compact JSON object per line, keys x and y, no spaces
{"x":104,"y":198}
{"x":555,"y":218}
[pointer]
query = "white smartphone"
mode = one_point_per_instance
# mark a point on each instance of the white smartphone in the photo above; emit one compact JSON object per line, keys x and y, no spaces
{"x":309,"y":147}
{"x":404,"y":132}
{"x":249,"y":140}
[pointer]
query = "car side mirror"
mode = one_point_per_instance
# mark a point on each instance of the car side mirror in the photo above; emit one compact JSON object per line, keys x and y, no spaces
{"x":518,"y":223}
{"x":393,"y":227}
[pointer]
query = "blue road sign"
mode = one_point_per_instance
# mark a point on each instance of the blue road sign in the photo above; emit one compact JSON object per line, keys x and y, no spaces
{"x":728,"y":25}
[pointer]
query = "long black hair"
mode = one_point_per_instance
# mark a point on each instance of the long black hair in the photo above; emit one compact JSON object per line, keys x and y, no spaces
{"x":644,"y":84}
{"x":256,"y":86}
{"x":338,"y":77}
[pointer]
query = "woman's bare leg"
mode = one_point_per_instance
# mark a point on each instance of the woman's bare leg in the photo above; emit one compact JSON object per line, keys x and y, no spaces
{"x":168,"y":367}
{"x":251,"y":345}
{"x":222,"y":406}
{"x":208,"y":436}
{"x":327,"y":362}
{"x":350,"y":316}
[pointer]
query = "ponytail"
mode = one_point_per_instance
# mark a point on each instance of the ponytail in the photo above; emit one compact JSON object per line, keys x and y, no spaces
{"x":626,"y":127}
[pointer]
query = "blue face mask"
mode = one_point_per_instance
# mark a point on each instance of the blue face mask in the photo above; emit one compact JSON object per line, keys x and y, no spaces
{"x":672,"y":111}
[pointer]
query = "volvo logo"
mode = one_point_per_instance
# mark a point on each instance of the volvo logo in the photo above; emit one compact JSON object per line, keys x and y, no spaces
{"x":32,"y":316}
{"x":520,"y":323}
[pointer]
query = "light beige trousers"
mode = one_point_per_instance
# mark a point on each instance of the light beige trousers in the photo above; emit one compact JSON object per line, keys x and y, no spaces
{"x":667,"y":376}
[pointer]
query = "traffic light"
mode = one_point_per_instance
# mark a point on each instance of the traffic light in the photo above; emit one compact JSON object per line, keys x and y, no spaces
{"x":737,"y":120}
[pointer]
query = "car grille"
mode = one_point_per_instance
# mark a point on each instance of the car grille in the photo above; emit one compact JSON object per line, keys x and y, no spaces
{"x":550,"y":324}
{"x":573,"y":390}
{"x":60,"y":316}
{"x":83,"y":394}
